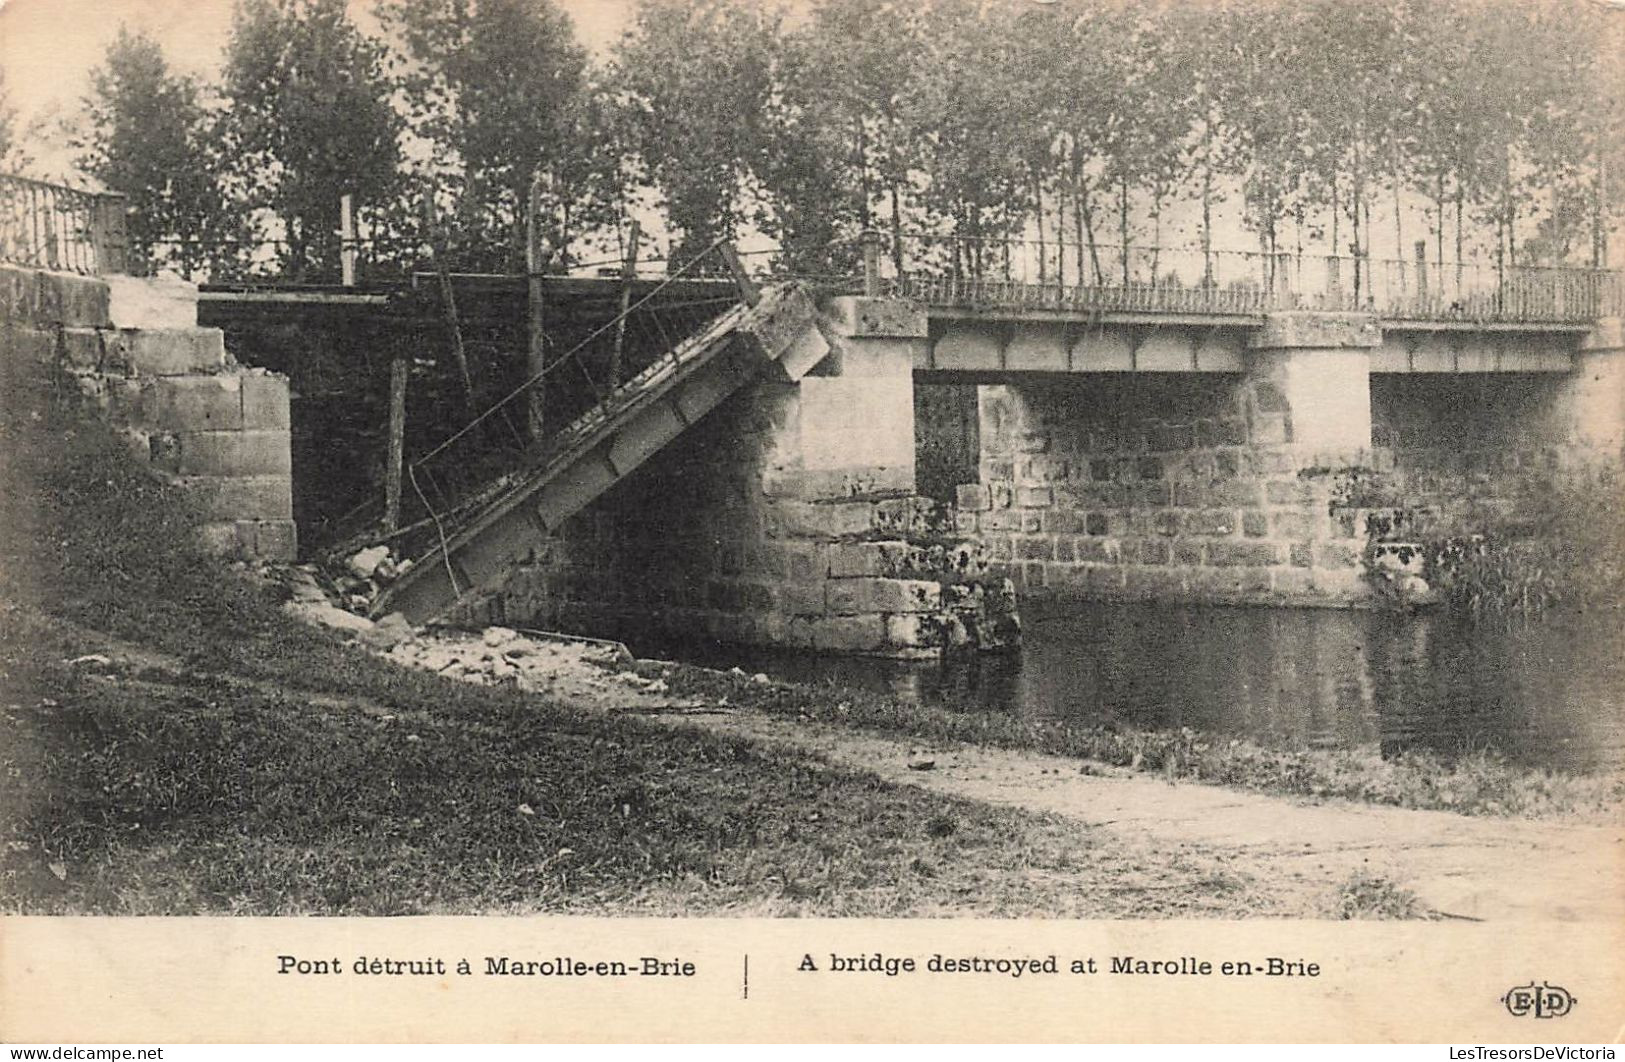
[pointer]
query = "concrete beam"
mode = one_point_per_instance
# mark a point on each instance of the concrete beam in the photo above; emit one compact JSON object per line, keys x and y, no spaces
{"x":1311,"y":374}
{"x":1312,"y":330}
{"x":1591,"y":404}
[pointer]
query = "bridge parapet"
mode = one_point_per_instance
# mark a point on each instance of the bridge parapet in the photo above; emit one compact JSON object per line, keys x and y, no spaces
{"x":63,"y":229}
{"x":1017,"y":276}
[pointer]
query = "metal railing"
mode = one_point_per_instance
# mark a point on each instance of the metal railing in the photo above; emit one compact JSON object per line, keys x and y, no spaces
{"x":52,"y":226}
{"x":575,"y":392}
{"x":1103,"y":278}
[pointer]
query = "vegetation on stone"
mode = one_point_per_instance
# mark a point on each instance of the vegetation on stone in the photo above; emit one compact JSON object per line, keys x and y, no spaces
{"x":1548,"y":544}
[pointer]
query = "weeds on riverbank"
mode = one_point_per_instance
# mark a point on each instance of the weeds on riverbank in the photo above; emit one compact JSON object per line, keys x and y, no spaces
{"x":1477,"y":784}
{"x":1369,"y":896}
{"x":1560,"y":548}
{"x":171,"y":743}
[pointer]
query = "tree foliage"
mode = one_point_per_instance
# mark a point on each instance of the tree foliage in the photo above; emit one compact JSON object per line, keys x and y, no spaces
{"x":149,"y":137}
{"x":1488,"y":128}
{"x":693,"y":80}
{"x":501,"y":92}
{"x":12,"y":157}
{"x":308,"y":120}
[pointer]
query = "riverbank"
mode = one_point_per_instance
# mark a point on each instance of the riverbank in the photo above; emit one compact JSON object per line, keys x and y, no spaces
{"x":1330,"y":857}
{"x":176,"y":743}
{"x":172,"y":742}
{"x":1479,"y":784}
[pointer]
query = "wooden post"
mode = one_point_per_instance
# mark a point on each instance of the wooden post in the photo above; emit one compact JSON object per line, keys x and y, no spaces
{"x":448,"y":297}
{"x":347,"y":240}
{"x":629,"y":273}
{"x":536,"y":352}
{"x":109,"y":233}
{"x":871,"y":239}
{"x":397,"y":435}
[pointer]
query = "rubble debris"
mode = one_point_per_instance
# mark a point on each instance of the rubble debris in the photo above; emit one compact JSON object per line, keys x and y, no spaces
{"x":325,"y":614}
{"x":576,"y":670}
{"x":364,"y":563}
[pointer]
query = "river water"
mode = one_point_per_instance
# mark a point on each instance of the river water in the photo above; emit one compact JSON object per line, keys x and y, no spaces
{"x":1545,"y":695}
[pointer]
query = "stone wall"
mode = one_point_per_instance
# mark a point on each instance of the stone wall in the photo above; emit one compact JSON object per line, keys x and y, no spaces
{"x":128,"y":353}
{"x":785,"y":517}
{"x":1469,"y":453}
{"x":1161,"y":487}
{"x":1464,"y":444}
{"x":1217,"y":488}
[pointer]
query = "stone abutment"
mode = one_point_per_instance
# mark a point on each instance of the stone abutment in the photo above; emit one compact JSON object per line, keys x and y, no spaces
{"x":127,"y":352}
{"x":786,"y":517}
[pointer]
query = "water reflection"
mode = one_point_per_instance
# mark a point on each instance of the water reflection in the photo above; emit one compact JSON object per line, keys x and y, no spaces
{"x":1542,"y":695}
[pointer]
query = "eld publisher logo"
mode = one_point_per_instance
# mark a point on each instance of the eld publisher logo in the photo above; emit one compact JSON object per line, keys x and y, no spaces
{"x":1545,"y":1001}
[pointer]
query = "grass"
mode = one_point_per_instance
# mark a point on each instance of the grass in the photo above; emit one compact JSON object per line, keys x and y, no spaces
{"x":1477,"y":784}
{"x":172,"y":743}
{"x":1371,"y":896}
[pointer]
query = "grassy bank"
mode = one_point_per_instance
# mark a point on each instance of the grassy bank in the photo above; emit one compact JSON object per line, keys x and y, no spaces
{"x":170,"y":742}
{"x":1478,"y":784}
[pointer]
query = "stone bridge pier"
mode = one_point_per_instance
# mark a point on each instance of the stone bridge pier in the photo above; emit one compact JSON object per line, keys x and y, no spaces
{"x":1277,"y":463}
{"x":1294,"y":475}
{"x":1590,"y":407}
{"x":786,"y":517}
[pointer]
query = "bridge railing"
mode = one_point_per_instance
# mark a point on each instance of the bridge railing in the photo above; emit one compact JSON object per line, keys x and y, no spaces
{"x":53,"y":226}
{"x":1101,"y":278}
{"x":576,"y":389}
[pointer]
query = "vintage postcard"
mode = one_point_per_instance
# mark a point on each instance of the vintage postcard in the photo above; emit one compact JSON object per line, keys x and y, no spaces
{"x":822,"y":521}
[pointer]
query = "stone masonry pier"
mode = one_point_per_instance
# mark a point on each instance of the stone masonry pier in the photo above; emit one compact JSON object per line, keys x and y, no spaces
{"x":785,"y":517}
{"x":128,"y":352}
{"x":1276,"y":469}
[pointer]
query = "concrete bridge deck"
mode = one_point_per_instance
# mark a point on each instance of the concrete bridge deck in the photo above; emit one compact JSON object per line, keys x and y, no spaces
{"x":984,"y":328}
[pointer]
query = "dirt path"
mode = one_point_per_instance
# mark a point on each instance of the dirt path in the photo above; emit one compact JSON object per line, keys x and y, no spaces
{"x":1458,"y":866}
{"x":1493,"y":869}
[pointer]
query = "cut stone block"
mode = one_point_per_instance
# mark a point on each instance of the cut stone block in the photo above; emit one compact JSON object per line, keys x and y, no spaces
{"x":165,"y":352}
{"x":152,"y":302}
{"x":223,"y":453}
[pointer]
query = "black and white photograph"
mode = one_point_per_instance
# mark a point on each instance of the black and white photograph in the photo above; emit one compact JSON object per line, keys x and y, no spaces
{"x":800,"y":461}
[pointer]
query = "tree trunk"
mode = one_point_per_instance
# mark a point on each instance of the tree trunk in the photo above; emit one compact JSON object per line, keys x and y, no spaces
{"x":1439,"y":235}
{"x":1207,"y":225}
{"x":1337,"y":221}
{"x":896,"y":230}
{"x":1460,"y":263}
{"x":1038,"y":199}
{"x":1087,"y":212}
{"x":1599,"y":226}
{"x":863,"y":174}
{"x":1122,"y":223}
{"x":1156,"y":235}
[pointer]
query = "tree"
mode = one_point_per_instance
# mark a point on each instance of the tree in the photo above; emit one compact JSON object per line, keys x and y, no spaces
{"x":12,"y":157}
{"x":858,"y":64}
{"x":694,"y":80}
{"x":308,"y":120}
{"x":810,"y":160}
{"x":148,"y":138}
{"x":500,"y":90}
{"x":964,"y":104}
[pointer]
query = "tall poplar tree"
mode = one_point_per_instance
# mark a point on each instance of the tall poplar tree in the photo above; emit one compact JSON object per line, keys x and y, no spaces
{"x":501,"y":90}
{"x":148,"y":137}
{"x":308,"y":120}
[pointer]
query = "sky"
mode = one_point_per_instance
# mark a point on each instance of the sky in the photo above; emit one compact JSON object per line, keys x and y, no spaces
{"x":49,"y":47}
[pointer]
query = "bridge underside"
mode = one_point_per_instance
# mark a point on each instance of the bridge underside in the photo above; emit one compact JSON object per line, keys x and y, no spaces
{"x":1199,"y":457}
{"x":998,"y":348}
